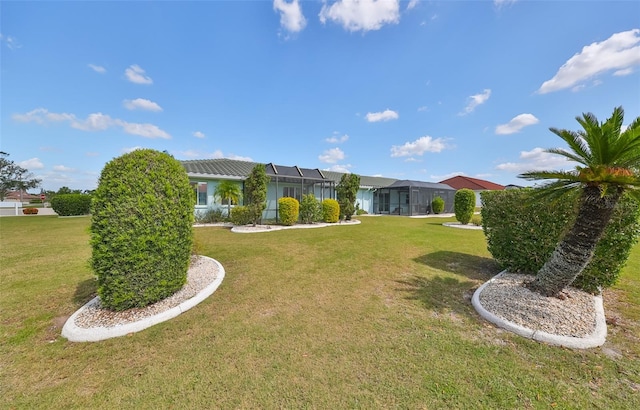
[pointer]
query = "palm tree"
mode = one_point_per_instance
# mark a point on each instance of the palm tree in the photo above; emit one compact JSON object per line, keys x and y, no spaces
{"x":609,"y":166}
{"x":228,"y":191}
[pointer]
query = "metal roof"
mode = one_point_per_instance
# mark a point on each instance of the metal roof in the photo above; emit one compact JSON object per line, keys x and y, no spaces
{"x":406,"y":183}
{"x":235,"y":169}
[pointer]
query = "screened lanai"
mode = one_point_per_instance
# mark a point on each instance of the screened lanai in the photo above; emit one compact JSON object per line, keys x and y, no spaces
{"x":294,"y":182}
{"x":411,"y":198}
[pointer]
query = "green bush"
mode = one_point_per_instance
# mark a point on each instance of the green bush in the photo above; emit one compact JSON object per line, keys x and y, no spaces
{"x":347,"y":191}
{"x":71,"y":204}
{"x":310,"y":209}
{"x":522,"y":233}
{"x":330,"y":211}
{"x":476,"y":220}
{"x":361,"y":212}
{"x":241,"y":215}
{"x":437,"y":205}
{"x":288,"y":210}
{"x":141,"y":229}
{"x":464,"y":203}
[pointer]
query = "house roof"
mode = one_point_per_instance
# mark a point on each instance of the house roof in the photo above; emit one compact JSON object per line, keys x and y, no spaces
{"x":405,"y":183}
{"x":461,"y":181}
{"x":221,"y":167}
{"x":234,"y":169}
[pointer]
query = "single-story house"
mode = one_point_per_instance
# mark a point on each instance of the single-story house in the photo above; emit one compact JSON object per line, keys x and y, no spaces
{"x":474,"y":184}
{"x":377,"y":195}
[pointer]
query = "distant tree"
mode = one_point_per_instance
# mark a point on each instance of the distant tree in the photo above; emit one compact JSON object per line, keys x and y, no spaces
{"x":14,"y":177}
{"x":228,"y":191}
{"x":256,"y":192}
{"x":65,"y":190}
{"x":347,"y":191}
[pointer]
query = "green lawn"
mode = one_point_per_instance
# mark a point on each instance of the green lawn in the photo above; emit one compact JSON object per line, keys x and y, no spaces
{"x":376,"y":315}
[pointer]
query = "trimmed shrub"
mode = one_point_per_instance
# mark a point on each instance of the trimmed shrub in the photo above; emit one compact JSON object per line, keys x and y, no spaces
{"x":288,"y":210}
{"x":30,"y":211}
{"x":310,"y":209}
{"x":464,"y":203}
{"x":522,"y":233}
{"x":141,"y":229}
{"x":330,"y":211}
{"x":71,"y":204}
{"x":476,"y":220}
{"x":437,"y":205}
{"x":241,"y":215}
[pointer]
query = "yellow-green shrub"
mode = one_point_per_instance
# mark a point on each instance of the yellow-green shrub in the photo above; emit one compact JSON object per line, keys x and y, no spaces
{"x":288,"y":210}
{"x":330,"y":211}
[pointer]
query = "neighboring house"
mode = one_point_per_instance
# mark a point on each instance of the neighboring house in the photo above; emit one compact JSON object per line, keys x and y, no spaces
{"x":18,"y":196}
{"x":474,"y":184}
{"x":377,"y":195}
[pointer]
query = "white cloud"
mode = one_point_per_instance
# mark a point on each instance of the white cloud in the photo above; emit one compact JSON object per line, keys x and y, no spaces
{"x":503,"y":3}
{"x":623,"y":72}
{"x":93,"y":122}
{"x":423,"y":108}
{"x":516,"y":124}
{"x":537,"y":160}
{"x":62,"y":168}
{"x":97,"y":68}
{"x":31,"y":164}
{"x":135,"y":74}
{"x":385,"y":115}
{"x":141,"y":104}
{"x":331,"y":156}
{"x":364,"y":15}
{"x":198,"y":134}
{"x":476,"y":100}
{"x":412,"y":4}
{"x":11,"y":42}
{"x":446,"y":176}
{"x":345,"y":168}
{"x":619,"y":52}
{"x":291,"y":17}
{"x":418,"y":147}
{"x":337,"y":139}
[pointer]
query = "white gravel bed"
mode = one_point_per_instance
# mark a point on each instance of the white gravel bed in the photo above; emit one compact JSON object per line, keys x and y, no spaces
{"x":202,"y":272}
{"x":506,"y":297}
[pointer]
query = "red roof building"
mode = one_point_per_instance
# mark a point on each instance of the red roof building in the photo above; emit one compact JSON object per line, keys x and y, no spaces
{"x":474,"y":184}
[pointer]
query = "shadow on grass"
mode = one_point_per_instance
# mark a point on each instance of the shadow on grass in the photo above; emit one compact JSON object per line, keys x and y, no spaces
{"x":472,"y":266}
{"x":439,"y":293}
{"x":85,"y":291}
{"x":445,"y":293}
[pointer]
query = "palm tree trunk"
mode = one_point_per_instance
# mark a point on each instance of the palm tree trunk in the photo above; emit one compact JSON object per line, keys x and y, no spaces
{"x":576,"y":249}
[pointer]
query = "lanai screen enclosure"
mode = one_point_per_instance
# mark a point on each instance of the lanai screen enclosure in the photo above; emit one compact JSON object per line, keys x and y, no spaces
{"x":411,"y":198}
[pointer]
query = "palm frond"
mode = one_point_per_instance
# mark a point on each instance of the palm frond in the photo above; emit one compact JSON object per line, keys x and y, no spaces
{"x":556,"y":189}
{"x":576,"y":143}
{"x":568,"y":155}
{"x":571,"y":176}
{"x":593,"y":136}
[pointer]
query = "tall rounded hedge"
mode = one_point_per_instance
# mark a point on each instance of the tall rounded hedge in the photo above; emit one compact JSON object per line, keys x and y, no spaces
{"x":464,"y":203}
{"x":141,"y":229}
{"x":288,"y":210}
{"x":437,"y":205}
{"x":330,"y":210}
{"x":71,"y":204}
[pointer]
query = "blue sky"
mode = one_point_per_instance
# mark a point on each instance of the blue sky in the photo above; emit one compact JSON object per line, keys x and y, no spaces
{"x":418,"y":90}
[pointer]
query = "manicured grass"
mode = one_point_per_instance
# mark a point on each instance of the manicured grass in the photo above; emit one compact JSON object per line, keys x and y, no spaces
{"x":369,"y":316}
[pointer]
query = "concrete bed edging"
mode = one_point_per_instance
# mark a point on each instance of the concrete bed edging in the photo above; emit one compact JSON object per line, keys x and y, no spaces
{"x":596,"y":339}
{"x":75,"y":333}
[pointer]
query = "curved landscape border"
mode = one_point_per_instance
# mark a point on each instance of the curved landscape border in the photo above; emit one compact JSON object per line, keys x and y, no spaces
{"x":75,"y":333}
{"x":597,"y":338}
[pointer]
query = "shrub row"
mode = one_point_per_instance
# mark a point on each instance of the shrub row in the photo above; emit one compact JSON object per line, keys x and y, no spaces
{"x":71,"y":204}
{"x":522,"y":233}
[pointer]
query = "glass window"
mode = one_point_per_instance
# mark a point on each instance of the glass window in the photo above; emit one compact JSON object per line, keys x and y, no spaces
{"x":200,"y":191}
{"x":291,"y":192}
